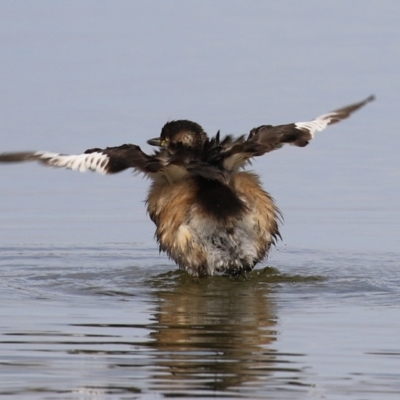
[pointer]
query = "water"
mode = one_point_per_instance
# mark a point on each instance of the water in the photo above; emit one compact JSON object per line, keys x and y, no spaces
{"x":119,"y":321}
{"x":86,"y":315}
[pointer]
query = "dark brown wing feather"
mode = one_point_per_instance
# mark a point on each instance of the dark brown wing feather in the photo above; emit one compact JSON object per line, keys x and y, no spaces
{"x":106,"y":161}
{"x":266,"y":138}
{"x":127,"y":156}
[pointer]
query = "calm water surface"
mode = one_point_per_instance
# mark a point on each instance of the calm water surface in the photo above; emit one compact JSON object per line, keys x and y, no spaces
{"x":119,"y":321}
{"x":115,"y":320}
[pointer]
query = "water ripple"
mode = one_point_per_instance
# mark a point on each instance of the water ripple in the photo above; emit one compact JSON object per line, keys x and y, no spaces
{"x":118,"y":320}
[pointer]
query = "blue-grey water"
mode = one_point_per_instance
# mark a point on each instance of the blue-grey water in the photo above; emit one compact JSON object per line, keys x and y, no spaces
{"x":117,"y":320}
{"x":88,"y":307}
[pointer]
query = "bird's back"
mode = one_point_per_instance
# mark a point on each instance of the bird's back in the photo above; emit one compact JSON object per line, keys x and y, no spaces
{"x":208,"y":226}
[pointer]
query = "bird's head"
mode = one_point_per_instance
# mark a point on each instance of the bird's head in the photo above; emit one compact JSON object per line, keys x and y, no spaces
{"x":181,"y":133}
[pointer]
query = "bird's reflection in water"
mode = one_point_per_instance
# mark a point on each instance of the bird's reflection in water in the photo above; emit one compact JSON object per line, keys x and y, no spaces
{"x":213,"y":333}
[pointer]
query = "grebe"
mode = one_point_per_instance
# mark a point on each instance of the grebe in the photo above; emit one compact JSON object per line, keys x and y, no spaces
{"x":211,"y":216}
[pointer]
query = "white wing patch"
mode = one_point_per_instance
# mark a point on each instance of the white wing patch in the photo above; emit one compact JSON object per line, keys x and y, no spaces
{"x":93,"y":161}
{"x":318,"y":124}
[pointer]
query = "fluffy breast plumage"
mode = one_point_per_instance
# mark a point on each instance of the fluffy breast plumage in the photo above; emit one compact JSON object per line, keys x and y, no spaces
{"x":208,"y":226}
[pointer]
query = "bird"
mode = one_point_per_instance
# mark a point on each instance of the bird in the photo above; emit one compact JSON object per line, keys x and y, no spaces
{"x":212,"y":216}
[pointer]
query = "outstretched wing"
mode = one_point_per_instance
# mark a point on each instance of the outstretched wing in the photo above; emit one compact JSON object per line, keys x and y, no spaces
{"x":266,"y":138}
{"x":105,"y":161}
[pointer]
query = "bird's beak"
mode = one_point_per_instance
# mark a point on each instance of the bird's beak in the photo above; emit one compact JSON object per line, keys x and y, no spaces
{"x":156,"y":142}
